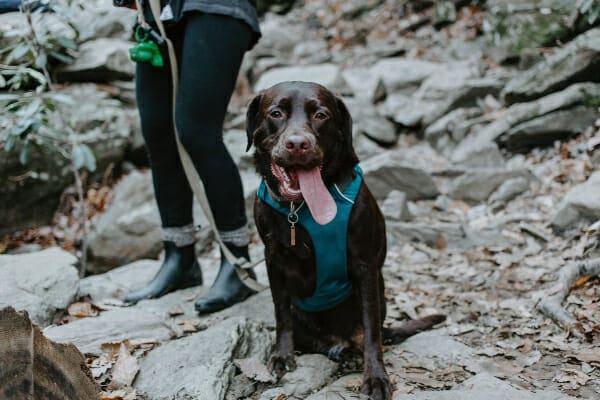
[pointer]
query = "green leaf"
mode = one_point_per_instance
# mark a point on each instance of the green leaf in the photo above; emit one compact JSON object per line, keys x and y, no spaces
{"x":63,"y":58}
{"x":62,"y":98}
{"x":10,"y":142}
{"x":18,"y":52}
{"x":66,"y":42}
{"x":78,"y":157}
{"x":41,"y":61}
{"x":2,"y":81}
{"x":24,"y":151}
{"x":89,"y":158}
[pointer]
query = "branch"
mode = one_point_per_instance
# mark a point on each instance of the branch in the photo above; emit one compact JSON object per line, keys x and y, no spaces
{"x":552,"y":306}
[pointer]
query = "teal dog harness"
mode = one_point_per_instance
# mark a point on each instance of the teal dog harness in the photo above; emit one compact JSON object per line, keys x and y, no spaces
{"x":329,"y":243}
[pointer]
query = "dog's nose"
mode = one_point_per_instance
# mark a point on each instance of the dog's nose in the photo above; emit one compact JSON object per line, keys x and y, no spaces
{"x":297,"y":144}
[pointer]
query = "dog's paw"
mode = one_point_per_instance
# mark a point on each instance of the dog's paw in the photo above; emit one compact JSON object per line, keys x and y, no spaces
{"x":279,"y":365}
{"x":377,"y":387}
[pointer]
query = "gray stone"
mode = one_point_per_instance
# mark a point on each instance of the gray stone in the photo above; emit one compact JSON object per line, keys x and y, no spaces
{"x":42,"y":283}
{"x":313,"y":372}
{"x":328,"y":75}
{"x":476,"y":154}
{"x":478,"y":184}
{"x":577,"y":94}
{"x":395,"y":206}
{"x":130,"y":229}
{"x":449,"y":124}
{"x":103,"y":20}
{"x":113,"y":326}
{"x":364,"y":85}
{"x":367,"y":121}
{"x":279,"y":37}
{"x":201,"y":365}
{"x":578,"y":61}
{"x":444,"y":13}
{"x":484,"y":386}
{"x":580,"y":205}
{"x":116,"y":282}
{"x":510,"y":189}
{"x":100,"y":60}
{"x":311,"y":52}
{"x":345,"y":388}
{"x":400,"y":72}
{"x":407,"y":111}
{"x":385,"y":172}
{"x":544,"y":130}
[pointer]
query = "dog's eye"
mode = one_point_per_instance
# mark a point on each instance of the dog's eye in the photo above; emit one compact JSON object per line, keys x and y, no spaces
{"x":321,"y":116}
{"x":276,"y":114}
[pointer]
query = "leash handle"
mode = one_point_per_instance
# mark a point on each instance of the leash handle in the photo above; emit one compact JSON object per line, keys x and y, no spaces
{"x":241,"y":264}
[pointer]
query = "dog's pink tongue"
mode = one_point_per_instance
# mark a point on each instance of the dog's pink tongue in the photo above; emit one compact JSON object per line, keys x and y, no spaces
{"x":319,"y":200}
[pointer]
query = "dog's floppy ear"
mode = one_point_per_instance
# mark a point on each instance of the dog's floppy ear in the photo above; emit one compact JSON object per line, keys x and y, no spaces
{"x":345,"y":124}
{"x":345,"y":118}
{"x":252,"y":119}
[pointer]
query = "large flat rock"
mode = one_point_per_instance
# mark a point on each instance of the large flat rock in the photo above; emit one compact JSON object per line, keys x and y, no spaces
{"x":578,"y":61}
{"x":580,"y":205}
{"x":42,"y":283}
{"x":201,"y":366}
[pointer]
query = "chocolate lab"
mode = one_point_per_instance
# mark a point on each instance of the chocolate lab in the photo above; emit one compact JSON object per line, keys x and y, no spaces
{"x":323,"y":232}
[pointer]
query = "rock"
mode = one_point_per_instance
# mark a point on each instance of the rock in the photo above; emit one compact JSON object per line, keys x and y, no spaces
{"x":544,"y":130}
{"x":34,"y":189}
{"x":395,"y":206}
{"x":114,"y":326}
{"x":100,"y":19}
{"x":100,"y":60}
{"x":118,"y":281}
{"x":399,"y":72}
{"x":201,"y":365}
{"x":311,"y":52}
{"x":130,"y":229}
{"x":578,"y":61}
{"x":385,"y":172}
{"x":510,"y":189}
{"x":364,"y":85}
{"x":367,"y":121}
{"x":484,"y":386}
{"x":279,"y":37}
{"x":515,"y":25}
{"x":450,"y":126}
{"x":578,"y":94}
{"x":444,"y":13}
{"x":42,"y":283}
{"x":442,"y":235}
{"x":312,"y":372}
{"x":474,"y":154}
{"x":580,"y":205}
{"x":342,"y":389}
{"x":478,"y":184}
{"x":328,"y":75}
{"x":457,"y":85}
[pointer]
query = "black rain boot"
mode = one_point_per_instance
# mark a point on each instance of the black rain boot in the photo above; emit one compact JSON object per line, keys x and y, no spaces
{"x":227,"y":289}
{"x":179,"y":270}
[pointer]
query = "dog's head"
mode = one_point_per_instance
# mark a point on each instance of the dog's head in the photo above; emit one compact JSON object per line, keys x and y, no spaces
{"x":297,"y":127}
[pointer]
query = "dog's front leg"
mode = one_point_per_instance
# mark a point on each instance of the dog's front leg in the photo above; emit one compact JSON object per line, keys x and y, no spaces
{"x":376,"y":383}
{"x":282,"y":359}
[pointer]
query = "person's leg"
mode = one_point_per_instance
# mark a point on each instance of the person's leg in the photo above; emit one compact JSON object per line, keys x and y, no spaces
{"x":171,"y":188}
{"x":212,"y":52}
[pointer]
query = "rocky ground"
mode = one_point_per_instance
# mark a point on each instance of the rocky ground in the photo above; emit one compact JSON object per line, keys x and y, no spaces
{"x":478,"y":129}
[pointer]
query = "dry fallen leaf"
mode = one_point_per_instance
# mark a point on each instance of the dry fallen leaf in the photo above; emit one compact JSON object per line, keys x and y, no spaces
{"x":254,"y":369}
{"x":125,"y":369}
{"x":175,"y":311}
{"x":82,"y":310}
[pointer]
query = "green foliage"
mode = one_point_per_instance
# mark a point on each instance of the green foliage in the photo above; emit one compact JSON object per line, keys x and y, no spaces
{"x":590,"y":10}
{"x":521,"y":26}
{"x":35,"y":117}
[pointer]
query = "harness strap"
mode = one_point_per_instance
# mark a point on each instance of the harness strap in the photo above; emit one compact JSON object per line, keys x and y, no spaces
{"x":241,"y":264}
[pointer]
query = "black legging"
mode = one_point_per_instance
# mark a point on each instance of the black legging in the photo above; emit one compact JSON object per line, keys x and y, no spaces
{"x":209,"y":50}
